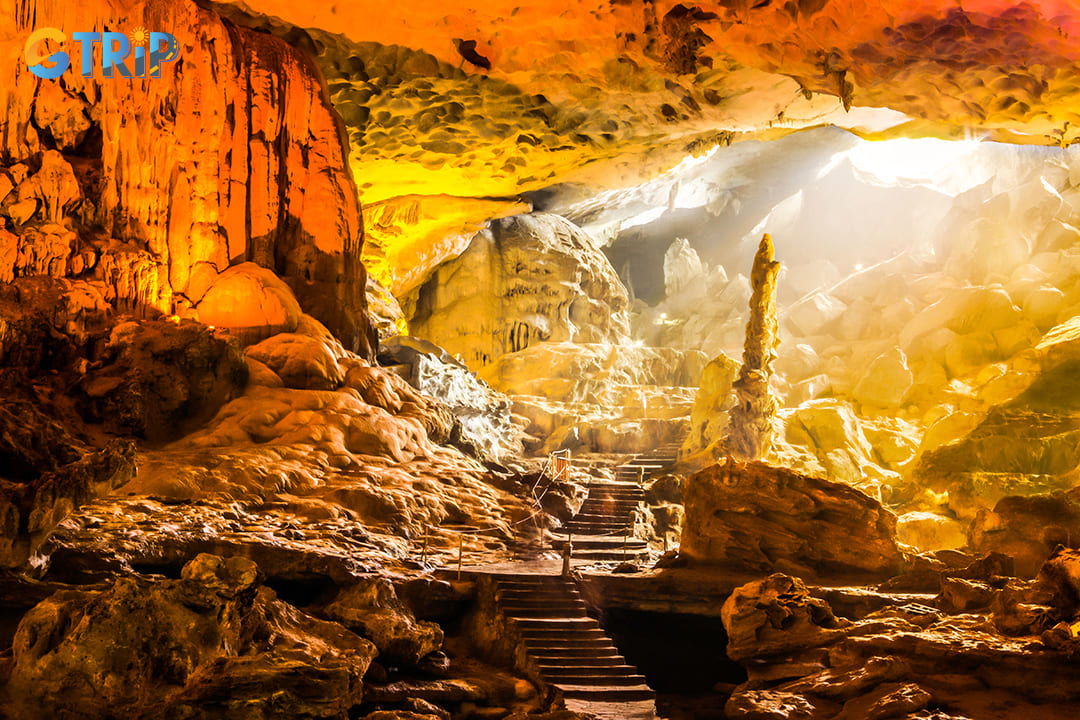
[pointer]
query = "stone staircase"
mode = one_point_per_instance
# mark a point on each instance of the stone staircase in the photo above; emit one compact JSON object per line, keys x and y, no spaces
{"x":602,"y":529}
{"x":570,"y":650}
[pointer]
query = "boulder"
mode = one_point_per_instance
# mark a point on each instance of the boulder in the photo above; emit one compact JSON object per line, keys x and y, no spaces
{"x":715,"y":397}
{"x":303,"y":360}
{"x":372,"y":609}
{"x":775,"y":616}
{"x":249,"y":301}
{"x":160,"y":380}
{"x":756,"y":517}
{"x":215,"y":638}
{"x":930,"y":531}
{"x":886,"y":382}
{"x":1028,"y":529}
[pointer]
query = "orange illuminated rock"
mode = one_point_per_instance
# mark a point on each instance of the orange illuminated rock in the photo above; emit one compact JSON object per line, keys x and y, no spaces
{"x":756,"y":517}
{"x":251,"y":302}
{"x":233,"y":154}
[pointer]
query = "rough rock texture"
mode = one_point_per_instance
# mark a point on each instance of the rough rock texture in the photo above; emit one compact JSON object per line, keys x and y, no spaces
{"x":904,"y":659}
{"x":598,"y":90}
{"x":1028,"y":529}
{"x":752,"y":418}
{"x":159,"y":379}
{"x":212,"y":643}
{"x":46,"y":475}
{"x":756,"y":517}
{"x":233,"y":154}
{"x":484,"y":414}
{"x":607,"y":398}
{"x":714,"y":400}
{"x":372,"y":609}
{"x":526,"y":279}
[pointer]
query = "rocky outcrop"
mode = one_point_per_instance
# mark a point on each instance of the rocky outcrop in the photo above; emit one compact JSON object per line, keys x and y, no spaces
{"x":904,"y":659}
{"x":752,"y":418}
{"x":756,"y":517}
{"x":524,"y":280}
{"x":47,"y":474}
{"x":600,"y":397}
{"x":1028,"y":529}
{"x":246,"y":160}
{"x":483,"y":414}
{"x":372,"y":609}
{"x":213,"y":642}
{"x":159,"y":380}
{"x":709,"y":418}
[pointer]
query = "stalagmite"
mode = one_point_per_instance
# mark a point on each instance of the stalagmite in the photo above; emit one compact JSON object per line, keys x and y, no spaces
{"x":752,"y":417}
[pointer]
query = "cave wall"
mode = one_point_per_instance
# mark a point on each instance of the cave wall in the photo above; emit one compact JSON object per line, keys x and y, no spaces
{"x":235,"y":154}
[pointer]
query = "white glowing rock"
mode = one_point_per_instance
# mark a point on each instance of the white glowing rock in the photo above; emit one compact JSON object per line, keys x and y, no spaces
{"x":814,"y":312}
{"x":809,"y":389}
{"x":887,"y":381}
{"x":682,"y":267}
{"x":930,"y":531}
{"x":857,"y":319}
{"x":963,"y":311}
{"x":1043,"y":305}
{"x":1057,"y":235}
{"x":797,"y":361}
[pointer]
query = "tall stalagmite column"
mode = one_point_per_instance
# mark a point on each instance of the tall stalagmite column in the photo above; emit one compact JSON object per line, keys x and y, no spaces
{"x":751,"y":428}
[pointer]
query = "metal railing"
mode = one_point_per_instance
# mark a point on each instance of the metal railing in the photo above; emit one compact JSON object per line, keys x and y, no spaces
{"x":557,"y":467}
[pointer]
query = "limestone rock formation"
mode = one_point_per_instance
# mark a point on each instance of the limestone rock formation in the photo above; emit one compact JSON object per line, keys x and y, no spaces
{"x":714,"y":400}
{"x":249,"y":301}
{"x":159,"y":379}
{"x":526,"y":279}
{"x":483,"y":413}
{"x":239,"y":165}
{"x":755,"y":517}
{"x":1028,"y":529}
{"x":622,"y":91}
{"x":900,"y":659}
{"x":372,"y":609}
{"x":601,"y":397}
{"x":751,"y":427}
{"x":47,"y":475}
{"x":213,"y":641}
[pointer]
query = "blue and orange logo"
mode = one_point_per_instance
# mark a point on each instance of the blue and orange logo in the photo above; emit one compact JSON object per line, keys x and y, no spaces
{"x":145,"y":51}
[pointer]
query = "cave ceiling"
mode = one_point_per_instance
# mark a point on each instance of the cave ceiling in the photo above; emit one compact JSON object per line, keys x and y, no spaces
{"x":496,"y":98}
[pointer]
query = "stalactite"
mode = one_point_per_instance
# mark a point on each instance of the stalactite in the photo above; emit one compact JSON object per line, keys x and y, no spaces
{"x":751,"y":429}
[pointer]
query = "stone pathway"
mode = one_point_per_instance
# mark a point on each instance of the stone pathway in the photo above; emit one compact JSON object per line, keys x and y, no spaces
{"x":570,"y":649}
{"x":603,"y":528}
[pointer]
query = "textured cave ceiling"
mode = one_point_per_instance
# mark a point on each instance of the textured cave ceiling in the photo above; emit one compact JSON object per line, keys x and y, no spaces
{"x":607,"y":92}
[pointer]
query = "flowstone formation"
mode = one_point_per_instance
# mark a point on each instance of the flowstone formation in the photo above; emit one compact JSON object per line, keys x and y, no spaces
{"x":752,"y":417}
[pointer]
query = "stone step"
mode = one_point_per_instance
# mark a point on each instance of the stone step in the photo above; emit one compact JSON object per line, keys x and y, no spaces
{"x":582,"y":661}
{"x":538,"y":612}
{"x":562,"y":649}
{"x":612,"y":679}
{"x":550,"y":583}
{"x":606,"y":542}
{"x":595,"y":694}
{"x":611,"y":555}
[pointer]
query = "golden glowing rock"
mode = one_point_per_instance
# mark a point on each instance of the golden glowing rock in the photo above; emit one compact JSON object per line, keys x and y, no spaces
{"x":249,"y":301}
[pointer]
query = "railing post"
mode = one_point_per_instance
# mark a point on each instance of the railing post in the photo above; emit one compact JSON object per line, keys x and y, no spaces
{"x":423,"y":553}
